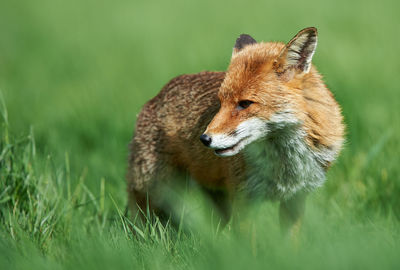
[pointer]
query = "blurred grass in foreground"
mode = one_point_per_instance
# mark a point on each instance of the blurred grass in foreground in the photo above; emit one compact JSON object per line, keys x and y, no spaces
{"x":49,"y":224}
{"x":74,"y":75}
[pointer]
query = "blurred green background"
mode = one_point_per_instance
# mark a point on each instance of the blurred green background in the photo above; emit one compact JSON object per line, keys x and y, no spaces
{"x":74,"y":75}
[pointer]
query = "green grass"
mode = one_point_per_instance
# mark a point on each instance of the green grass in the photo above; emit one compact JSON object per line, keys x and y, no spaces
{"x":73,"y":76}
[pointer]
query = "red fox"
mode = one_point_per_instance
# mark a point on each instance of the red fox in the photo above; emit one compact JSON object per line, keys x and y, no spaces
{"x":267,"y":127}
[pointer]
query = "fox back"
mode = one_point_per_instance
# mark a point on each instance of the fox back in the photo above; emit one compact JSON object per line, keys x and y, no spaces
{"x":267,"y":126}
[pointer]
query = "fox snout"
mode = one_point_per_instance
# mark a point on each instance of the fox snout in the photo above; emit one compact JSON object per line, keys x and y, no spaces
{"x":223,"y":145}
{"x":230,"y":143}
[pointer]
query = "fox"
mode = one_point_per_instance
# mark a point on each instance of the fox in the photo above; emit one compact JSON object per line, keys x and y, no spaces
{"x":267,"y":128}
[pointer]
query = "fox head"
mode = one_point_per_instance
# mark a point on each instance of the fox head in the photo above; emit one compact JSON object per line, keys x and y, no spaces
{"x":262,"y":89}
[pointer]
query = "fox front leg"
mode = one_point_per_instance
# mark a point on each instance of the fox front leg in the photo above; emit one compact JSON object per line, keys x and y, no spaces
{"x":291,"y":212}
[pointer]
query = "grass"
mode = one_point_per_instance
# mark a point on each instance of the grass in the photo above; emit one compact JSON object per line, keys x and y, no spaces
{"x":73,"y":76}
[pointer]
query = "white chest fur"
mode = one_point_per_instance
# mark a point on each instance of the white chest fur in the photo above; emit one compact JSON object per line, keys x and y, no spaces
{"x":283,"y":164}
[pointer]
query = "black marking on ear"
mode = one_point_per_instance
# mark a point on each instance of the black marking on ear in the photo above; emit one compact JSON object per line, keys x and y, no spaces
{"x":300,"y":50}
{"x":243,"y":40}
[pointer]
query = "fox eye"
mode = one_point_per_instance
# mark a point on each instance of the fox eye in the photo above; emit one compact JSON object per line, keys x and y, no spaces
{"x":243,"y":104}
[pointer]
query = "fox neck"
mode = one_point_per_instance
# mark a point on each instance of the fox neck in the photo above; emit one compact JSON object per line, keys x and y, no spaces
{"x":282,"y":164}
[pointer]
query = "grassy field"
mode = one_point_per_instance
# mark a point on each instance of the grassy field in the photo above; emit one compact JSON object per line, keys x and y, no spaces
{"x":73,"y":76}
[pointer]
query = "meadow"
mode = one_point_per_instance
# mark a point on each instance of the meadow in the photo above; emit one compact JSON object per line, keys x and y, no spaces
{"x":74,"y":75}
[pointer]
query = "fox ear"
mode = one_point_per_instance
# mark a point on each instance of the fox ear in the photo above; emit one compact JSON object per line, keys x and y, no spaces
{"x":298,"y":53}
{"x":242,"y":41}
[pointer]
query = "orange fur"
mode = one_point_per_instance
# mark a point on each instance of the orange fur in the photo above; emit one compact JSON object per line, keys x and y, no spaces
{"x":169,"y":126}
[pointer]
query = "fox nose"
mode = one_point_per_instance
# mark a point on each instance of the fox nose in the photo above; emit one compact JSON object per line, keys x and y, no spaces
{"x":205,"y":139}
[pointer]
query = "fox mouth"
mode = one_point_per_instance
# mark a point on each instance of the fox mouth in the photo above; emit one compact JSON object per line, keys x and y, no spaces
{"x":232,"y":150}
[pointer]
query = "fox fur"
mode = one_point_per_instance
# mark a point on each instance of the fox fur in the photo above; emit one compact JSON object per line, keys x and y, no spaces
{"x":271,"y":125}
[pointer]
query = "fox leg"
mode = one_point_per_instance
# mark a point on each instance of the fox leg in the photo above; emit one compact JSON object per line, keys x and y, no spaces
{"x":222,"y":203}
{"x":147,"y":173}
{"x":146,"y":202}
{"x":291,"y":212}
